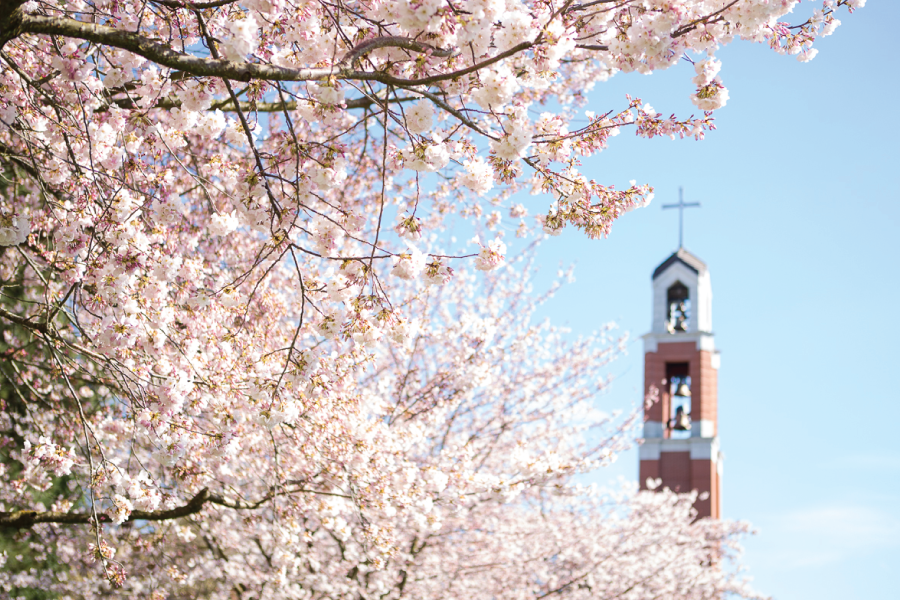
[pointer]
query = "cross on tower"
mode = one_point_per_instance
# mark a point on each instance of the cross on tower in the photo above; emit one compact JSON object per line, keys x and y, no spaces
{"x":681,"y":206}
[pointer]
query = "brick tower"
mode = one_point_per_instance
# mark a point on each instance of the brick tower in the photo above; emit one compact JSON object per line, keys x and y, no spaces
{"x":681,"y":444}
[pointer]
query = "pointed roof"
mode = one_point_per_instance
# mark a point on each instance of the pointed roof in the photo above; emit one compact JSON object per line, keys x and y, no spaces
{"x":686,"y":258}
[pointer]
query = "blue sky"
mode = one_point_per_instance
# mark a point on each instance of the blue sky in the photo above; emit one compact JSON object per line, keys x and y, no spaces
{"x":800,"y":227}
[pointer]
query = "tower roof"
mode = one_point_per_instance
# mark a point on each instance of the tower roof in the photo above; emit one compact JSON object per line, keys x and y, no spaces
{"x":684,"y":257}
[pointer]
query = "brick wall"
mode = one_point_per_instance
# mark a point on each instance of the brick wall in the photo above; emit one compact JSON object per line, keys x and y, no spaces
{"x":675,"y":470}
{"x":704,"y":478}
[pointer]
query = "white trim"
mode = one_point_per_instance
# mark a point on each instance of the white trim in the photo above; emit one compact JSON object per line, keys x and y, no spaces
{"x":653,"y":429}
{"x":699,"y":448}
{"x":649,"y":450}
{"x":703,"y":429}
{"x":705,"y":448}
{"x":716,"y":360}
{"x":704,"y":340}
{"x":683,"y":445}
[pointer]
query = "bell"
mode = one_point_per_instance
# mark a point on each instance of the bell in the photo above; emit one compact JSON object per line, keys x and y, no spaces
{"x":683,"y":390}
{"x":682,"y":420}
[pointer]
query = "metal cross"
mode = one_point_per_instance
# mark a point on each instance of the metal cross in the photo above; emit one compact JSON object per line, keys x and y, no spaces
{"x":681,"y":206}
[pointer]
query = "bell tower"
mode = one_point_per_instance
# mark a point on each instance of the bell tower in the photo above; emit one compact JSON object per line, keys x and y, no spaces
{"x":681,"y":444}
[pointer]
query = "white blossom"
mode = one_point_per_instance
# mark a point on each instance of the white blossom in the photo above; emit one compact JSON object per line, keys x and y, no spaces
{"x":243,"y":39}
{"x":223,"y":223}
{"x":491,"y":256}
{"x":478,"y":176}
{"x":419,"y":117}
{"x":409,"y":265}
{"x":14,"y":228}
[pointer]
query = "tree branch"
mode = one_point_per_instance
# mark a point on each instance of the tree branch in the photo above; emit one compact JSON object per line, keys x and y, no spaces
{"x":10,"y":20}
{"x":194,"y":6}
{"x":226,"y":105}
{"x":693,"y":24}
{"x":164,"y":55}
{"x":25,"y":519}
{"x":396,"y":42}
{"x":199,"y":66}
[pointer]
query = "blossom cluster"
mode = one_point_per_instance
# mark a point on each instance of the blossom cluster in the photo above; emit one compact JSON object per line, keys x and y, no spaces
{"x":50,"y":456}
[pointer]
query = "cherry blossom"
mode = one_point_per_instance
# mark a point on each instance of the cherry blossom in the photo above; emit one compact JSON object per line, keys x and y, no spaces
{"x":491,"y":256}
{"x":227,"y":372}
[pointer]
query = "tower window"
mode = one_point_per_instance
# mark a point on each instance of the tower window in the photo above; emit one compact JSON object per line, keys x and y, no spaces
{"x":679,"y":400}
{"x":679,"y":301}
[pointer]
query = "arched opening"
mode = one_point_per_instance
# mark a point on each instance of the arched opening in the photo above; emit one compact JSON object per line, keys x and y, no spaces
{"x":679,"y":302}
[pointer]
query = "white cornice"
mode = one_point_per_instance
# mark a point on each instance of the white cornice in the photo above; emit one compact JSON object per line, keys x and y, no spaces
{"x":699,"y":448}
{"x":705,"y":340}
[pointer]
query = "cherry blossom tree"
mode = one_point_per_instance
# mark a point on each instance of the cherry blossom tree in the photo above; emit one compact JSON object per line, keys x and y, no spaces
{"x":443,"y":470}
{"x":242,"y":355}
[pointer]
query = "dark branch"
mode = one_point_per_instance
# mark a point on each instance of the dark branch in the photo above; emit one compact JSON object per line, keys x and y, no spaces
{"x":192,"y":5}
{"x":396,"y":42}
{"x":226,"y":104}
{"x":164,"y":55}
{"x":10,"y":20}
{"x":199,"y":66}
{"x":25,"y":519}
{"x":707,"y":19}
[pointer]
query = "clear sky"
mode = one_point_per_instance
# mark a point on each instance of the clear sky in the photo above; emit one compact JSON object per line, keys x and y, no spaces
{"x":800,"y":227}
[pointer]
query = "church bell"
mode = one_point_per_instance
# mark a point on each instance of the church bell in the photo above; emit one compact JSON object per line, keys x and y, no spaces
{"x":682,"y":422}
